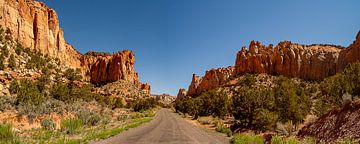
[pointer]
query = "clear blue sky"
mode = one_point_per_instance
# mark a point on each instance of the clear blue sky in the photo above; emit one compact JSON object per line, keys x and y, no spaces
{"x":172,"y":39}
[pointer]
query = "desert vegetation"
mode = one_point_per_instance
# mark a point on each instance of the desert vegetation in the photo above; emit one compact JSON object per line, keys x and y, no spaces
{"x":280,"y":107}
{"x":55,"y":104}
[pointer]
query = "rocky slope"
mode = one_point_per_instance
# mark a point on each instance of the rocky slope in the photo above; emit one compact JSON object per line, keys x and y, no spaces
{"x":309,"y":62}
{"x":36,"y":26}
{"x":343,"y":123}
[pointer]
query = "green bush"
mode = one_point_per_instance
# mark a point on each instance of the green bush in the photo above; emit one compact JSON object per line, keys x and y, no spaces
{"x":206,"y":104}
{"x":89,"y":118}
{"x":254,"y":108}
{"x":29,"y":93}
{"x":291,"y":101}
{"x":72,"y":75}
{"x":247,"y":139}
{"x":19,"y":48}
{"x":48,"y":124}
{"x":61,"y":91}
{"x":14,"y":87}
{"x":6,"y":132}
{"x":333,"y":88}
{"x":292,"y":140}
{"x":84,"y":93}
{"x":116,"y":102}
{"x":43,"y":82}
{"x":12,"y":62}
{"x":122,"y":117}
{"x":205,"y":120}
{"x":2,"y":59}
{"x":5,"y":51}
{"x":144,"y":104}
{"x":71,"y":126}
{"x":37,"y":60}
{"x":223,"y":129}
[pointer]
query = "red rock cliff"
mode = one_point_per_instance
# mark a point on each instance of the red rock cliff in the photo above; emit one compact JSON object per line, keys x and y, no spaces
{"x":104,"y":68}
{"x":36,"y":26}
{"x":213,"y":78}
{"x":309,"y":62}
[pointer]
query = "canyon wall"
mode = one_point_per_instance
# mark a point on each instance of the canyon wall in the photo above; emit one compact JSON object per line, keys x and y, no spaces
{"x":36,"y":26}
{"x":212,"y":79}
{"x":104,"y":68}
{"x":309,"y":62}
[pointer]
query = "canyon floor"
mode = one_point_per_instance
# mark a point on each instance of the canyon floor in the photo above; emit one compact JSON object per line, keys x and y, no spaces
{"x":167,"y":128}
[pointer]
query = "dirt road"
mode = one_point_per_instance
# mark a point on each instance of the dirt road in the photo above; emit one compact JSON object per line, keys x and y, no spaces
{"x":167,"y":128}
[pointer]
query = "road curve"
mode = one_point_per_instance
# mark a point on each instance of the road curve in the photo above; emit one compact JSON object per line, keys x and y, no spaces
{"x":167,"y":128}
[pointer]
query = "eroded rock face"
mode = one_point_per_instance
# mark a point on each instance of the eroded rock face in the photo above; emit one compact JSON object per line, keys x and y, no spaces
{"x":336,"y":124}
{"x":36,"y":26}
{"x":181,"y":94}
{"x":213,"y":78}
{"x":309,"y":62}
{"x":105,"y":68}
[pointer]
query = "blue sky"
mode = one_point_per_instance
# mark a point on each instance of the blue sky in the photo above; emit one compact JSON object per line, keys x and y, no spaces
{"x":172,"y":39}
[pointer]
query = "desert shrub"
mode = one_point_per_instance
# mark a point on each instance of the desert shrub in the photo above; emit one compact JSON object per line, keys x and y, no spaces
{"x":136,"y":115}
{"x":247,"y":80}
{"x":48,"y":124}
{"x":188,"y":105}
{"x":19,"y":48}
{"x":323,"y":105}
{"x":222,"y":129}
{"x":247,"y":139}
{"x":89,"y":118}
{"x":207,"y":103}
{"x":292,"y":140}
{"x":43,"y":81}
{"x":4,"y":50}
{"x":144,"y":104}
{"x":291,"y":101}
{"x":122,"y":117}
{"x":61,"y":91}
{"x":36,"y":61}
{"x":333,"y":88}
{"x":12,"y":62}
{"x":205,"y":120}
{"x":7,"y":103}
{"x":14,"y":86}
{"x":84,"y":93}
{"x":213,"y":103}
{"x":72,"y":75}
{"x":254,"y":108}
{"x":29,"y":93}
{"x":2,"y":59}
{"x":116,"y":102}
{"x":346,"y":141}
{"x":71,"y":126}
{"x":6,"y":132}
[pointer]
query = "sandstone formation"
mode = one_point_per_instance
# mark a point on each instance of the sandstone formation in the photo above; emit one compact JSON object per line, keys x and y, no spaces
{"x":104,"y":68}
{"x":309,"y":62}
{"x":213,"y":78}
{"x":181,"y":94}
{"x":36,"y":26}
